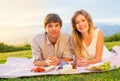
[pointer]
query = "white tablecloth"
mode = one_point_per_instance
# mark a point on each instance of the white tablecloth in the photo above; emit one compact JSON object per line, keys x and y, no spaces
{"x":21,"y":67}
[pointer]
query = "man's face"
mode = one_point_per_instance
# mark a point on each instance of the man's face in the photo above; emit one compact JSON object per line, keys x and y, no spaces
{"x":53,"y":29}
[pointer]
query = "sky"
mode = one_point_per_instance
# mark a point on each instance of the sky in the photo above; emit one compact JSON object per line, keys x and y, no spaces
{"x":32,"y":12}
{"x":16,"y":15}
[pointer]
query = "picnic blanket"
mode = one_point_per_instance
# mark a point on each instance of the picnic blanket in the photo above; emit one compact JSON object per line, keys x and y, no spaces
{"x":21,"y":67}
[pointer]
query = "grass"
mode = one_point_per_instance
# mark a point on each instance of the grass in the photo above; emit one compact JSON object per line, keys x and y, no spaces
{"x":21,"y":54}
{"x":10,"y":48}
{"x":114,"y":37}
{"x":110,"y":45}
{"x":103,"y":76}
{"x":100,"y":76}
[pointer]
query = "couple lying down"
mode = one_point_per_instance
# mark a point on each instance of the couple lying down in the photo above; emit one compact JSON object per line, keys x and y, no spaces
{"x":53,"y":46}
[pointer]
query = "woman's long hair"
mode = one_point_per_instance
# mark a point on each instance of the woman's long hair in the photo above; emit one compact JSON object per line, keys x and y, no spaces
{"x":76,"y":35}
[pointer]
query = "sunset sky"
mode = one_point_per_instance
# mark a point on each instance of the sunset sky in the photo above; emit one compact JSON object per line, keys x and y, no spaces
{"x":30,"y":13}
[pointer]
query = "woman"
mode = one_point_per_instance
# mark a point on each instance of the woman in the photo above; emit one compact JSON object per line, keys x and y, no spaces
{"x":88,"y":41}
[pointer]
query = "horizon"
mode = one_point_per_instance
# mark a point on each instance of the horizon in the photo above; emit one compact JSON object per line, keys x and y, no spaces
{"x":21,"y":35}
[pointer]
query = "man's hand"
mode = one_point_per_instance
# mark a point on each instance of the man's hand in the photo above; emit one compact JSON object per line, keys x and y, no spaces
{"x":52,"y":61}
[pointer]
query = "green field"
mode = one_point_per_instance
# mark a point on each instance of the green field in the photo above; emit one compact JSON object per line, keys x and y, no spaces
{"x":100,"y":76}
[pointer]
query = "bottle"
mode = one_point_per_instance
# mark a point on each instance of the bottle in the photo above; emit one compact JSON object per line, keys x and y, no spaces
{"x":74,"y":64}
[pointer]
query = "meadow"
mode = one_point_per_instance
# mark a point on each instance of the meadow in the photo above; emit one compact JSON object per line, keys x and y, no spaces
{"x":112,"y":75}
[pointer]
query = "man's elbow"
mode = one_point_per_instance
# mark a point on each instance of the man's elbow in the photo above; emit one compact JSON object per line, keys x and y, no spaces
{"x":35,"y":63}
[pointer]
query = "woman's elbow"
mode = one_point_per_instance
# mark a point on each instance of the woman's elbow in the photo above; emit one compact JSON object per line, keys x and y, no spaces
{"x":99,"y":59}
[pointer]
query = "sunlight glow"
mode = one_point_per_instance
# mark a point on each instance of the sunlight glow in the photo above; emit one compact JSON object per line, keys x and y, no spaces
{"x":23,"y":19}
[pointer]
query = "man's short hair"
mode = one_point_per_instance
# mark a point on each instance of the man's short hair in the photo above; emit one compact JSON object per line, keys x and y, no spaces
{"x":52,"y":17}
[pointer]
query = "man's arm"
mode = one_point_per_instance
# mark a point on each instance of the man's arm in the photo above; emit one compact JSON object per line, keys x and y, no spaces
{"x":67,"y":56}
{"x":37,"y":54}
{"x":48,"y":62}
{"x":40,"y":63}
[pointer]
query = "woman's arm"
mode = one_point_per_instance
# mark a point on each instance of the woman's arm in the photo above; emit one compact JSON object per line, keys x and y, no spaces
{"x":99,"y":49}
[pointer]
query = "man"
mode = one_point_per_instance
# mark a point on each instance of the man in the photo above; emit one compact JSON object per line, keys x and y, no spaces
{"x":52,"y":46}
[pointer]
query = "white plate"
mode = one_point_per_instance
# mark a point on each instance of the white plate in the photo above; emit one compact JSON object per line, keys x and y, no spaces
{"x":67,"y":71}
{"x":93,"y":67}
{"x":49,"y":68}
{"x":46,"y":69}
{"x":96,"y":64}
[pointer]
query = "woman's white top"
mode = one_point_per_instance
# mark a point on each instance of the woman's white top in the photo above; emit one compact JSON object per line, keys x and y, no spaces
{"x":91,"y":49}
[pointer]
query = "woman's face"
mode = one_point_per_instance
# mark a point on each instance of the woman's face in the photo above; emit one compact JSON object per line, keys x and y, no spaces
{"x":81,"y":24}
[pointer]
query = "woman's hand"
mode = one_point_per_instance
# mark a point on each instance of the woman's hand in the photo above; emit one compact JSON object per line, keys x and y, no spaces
{"x":81,"y":62}
{"x":52,"y":61}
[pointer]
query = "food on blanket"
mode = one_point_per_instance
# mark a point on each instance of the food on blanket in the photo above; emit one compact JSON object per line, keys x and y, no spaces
{"x":67,"y":69}
{"x":101,"y":67}
{"x":49,"y":68}
{"x":115,"y":66}
{"x":67,"y":66}
{"x":41,"y":69}
{"x":38,"y":69}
